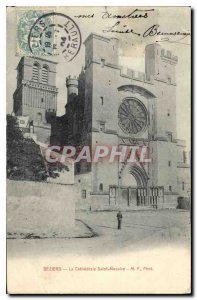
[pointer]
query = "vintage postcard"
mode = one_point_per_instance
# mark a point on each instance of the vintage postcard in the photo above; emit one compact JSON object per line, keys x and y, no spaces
{"x":98,"y":150}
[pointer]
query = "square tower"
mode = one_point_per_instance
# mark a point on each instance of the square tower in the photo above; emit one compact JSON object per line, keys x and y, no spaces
{"x":160,"y":64}
{"x":36,"y":93}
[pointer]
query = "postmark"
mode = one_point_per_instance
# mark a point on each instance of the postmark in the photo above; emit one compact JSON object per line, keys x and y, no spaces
{"x":61,"y":36}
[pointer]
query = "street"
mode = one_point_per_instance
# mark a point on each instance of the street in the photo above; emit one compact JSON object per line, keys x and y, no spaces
{"x":139,"y":229}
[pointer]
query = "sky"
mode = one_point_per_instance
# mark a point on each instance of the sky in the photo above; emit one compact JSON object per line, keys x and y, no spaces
{"x":131,"y":52}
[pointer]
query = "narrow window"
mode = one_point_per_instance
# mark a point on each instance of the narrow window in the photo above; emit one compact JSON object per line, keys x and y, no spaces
{"x":184,"y":156}
{"x":83,"y":194}
{"x":45,"y":75}
{"x":102,"y":127}
{"x":169,"y":163}
{"x":78,"y":168}
{"x":183,"y":186}
{"x":100,"y":187}
{"x":169,"y":135}
{"x":35,"y":72}
{"x":170,"y":188}
{"x":102,"y":62}
{"x":39,"y":117}
{"x":102,"y":101}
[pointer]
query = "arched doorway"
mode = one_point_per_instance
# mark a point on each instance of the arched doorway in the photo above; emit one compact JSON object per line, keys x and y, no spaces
{"x":132,"y":178}
{"x":140,"y":175}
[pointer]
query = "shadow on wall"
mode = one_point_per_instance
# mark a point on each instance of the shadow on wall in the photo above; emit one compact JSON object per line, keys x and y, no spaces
{"x":183,"y":203}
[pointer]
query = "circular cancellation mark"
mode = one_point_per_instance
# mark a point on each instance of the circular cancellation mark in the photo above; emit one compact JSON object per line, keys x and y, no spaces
{"x":55,"y":34}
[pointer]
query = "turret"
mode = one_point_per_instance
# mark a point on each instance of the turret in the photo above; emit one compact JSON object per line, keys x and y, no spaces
{"x":160,"y":63}
{"x":72,"y":86}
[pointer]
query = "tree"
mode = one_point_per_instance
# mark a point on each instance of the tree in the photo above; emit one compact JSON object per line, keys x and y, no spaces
{"x":24,"y":159}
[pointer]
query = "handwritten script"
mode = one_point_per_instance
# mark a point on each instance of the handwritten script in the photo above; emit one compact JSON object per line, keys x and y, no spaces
{"x":138,"y":14}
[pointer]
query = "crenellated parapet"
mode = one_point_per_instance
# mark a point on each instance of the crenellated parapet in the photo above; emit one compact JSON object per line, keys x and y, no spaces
{"x":168,"y":55}
{"x":72,"y":85}
{"x":124,"y":72}
{"x":134,"y":75}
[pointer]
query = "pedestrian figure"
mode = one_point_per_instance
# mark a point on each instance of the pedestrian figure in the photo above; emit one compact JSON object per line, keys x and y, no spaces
{"x":119,"y":217}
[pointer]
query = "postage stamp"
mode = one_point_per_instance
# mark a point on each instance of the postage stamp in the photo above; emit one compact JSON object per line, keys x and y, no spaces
{"x":24,"y":22}
{"x":55,"y":34}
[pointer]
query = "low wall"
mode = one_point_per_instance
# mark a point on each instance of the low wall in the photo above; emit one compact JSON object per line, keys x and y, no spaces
{"x":41,"y":209}
{"x":100,"y":202}
{"x":170,"y":201}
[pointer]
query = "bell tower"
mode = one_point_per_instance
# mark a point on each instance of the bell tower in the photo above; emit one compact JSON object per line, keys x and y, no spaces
{"x":36,"y":93}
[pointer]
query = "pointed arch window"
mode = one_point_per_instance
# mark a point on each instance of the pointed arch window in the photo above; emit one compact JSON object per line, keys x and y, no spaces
{"x":35,"y":72}
{"x":45,"y":73}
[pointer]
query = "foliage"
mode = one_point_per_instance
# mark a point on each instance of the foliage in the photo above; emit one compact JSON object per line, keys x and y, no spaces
{"x":24,"y":159}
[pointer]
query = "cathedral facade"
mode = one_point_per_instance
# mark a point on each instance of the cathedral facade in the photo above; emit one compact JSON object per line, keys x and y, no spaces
{"x":109,"y":105}
{"x":112,"y":106}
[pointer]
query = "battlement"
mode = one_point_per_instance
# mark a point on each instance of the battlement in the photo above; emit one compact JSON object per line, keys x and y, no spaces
{"x":72,"y":85}
{"x":135,"y":75}
{"x":70,"y":77}
{"x":125,"y":72}
{"x":72,"y":81}
{"x":132,"y":74}
{"x":168,"y":54}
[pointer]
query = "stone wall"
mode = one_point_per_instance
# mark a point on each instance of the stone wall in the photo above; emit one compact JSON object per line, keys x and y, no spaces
{"x":40,"y":209}
{"x":100,"y":202}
